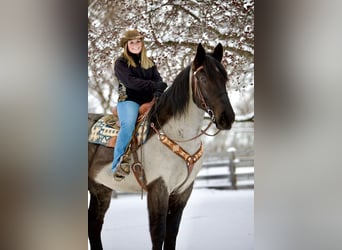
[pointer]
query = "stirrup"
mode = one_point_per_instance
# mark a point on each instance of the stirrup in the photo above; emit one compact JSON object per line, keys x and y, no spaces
{"x":122,"y":169}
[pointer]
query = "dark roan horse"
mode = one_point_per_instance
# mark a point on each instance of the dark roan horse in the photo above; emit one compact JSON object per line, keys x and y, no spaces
{"x":171,"y":168}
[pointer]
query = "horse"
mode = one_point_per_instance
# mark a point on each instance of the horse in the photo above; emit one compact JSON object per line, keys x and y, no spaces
{"x":171,"y":156}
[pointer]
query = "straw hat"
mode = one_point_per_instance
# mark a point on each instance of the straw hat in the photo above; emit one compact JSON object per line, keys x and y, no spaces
{"x":130,"y":35}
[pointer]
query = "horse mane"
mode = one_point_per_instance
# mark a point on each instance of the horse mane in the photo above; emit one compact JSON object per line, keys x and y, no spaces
{"x":174,"y":101}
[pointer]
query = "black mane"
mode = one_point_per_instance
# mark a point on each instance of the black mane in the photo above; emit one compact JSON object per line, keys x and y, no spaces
{"x":174,"y":101}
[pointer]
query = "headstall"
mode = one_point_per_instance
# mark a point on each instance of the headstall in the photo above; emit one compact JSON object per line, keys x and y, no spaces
{"x":198,"y":92}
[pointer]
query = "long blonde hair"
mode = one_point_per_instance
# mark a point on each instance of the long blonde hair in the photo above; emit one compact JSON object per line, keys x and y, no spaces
{"x":146,"y":62}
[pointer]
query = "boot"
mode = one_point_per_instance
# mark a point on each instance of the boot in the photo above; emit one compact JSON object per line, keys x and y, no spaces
{"x":122,"y":169}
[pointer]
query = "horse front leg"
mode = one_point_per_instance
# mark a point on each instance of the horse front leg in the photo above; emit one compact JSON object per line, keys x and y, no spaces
{"x":177,"y":203}
{"x":100,"y":198}
{"x":157,"y":202}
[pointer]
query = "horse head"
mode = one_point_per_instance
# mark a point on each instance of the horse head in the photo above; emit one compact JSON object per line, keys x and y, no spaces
{"x":209,"y":86}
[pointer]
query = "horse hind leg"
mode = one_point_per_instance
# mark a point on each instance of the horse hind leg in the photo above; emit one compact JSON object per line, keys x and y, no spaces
{"x":157,"y":202}
{"x":100,"y":197}
{"x":177,"y":203}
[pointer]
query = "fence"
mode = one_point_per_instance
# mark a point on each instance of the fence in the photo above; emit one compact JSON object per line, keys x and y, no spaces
{"x":231,"y":170}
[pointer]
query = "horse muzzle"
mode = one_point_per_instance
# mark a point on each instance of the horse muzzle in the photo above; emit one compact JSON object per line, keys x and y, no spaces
{"x":224,"y":120}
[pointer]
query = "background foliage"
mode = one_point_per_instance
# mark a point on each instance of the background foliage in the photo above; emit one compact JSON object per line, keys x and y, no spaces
{"x":173,"y":29}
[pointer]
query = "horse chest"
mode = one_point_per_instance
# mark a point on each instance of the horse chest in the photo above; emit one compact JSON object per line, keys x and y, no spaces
{"x":164,"y":161}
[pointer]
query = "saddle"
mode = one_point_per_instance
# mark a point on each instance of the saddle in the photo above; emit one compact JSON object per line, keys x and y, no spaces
{"x":105,"y":132}
{"x":143,"y":110}
{"x":106,"y":129}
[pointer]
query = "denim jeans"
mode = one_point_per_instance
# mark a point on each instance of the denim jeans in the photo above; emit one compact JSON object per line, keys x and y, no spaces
{"x":128,"y":113}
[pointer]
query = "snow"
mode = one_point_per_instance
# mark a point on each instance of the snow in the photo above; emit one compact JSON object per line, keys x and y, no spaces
{"x":212,"y":219}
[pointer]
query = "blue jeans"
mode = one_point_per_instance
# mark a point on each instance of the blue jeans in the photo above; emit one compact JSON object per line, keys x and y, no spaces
{"x":128,"y":113}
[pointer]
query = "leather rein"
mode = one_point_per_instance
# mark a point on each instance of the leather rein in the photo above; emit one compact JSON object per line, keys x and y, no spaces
{"x":172,"y":144}
{"x":197,"y":92}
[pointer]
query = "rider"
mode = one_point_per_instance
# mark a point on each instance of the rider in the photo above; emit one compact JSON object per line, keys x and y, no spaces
{"x":139,"y":82}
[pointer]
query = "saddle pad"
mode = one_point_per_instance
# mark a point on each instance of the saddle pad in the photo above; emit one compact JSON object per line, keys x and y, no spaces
{"x":105,"y":131}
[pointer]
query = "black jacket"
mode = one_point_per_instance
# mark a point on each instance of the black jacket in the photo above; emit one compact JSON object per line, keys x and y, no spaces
{"x":136,"y":84}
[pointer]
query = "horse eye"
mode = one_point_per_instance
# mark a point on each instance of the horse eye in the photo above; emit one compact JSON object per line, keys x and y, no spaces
{"x":203,"y":79}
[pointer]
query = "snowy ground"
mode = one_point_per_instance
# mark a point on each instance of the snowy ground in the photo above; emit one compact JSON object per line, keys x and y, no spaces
{"x":213,"y":219}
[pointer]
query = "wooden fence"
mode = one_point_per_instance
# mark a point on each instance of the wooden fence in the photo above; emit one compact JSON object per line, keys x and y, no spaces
{"x":231,"y":170}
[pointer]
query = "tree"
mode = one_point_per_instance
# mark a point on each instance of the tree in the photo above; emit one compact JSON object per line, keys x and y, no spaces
{"x":173,"y":29}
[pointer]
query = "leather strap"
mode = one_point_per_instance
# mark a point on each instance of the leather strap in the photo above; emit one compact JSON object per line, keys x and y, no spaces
{"x":138,"y":168}
{"x":178,"y":150}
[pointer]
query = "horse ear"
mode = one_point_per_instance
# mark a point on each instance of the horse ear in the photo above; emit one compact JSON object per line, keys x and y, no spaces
{"x":200,"y":56}
{"x":218,"y":52}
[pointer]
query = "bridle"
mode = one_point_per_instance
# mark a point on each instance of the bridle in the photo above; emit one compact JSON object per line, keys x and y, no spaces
{"x":198,"y":92}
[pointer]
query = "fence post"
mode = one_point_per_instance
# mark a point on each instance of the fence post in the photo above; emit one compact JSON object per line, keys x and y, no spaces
{"x":232,"y":166}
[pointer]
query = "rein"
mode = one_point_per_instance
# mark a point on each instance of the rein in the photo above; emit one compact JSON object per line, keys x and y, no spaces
{"x":190,"y":160}
{"x":172,"y":144}
{"x":198,"y":92}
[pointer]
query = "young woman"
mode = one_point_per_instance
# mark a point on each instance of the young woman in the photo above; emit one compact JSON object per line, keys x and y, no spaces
{"x":139,"y":82}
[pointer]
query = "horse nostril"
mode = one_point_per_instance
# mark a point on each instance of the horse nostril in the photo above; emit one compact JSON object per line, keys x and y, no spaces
{"x":226,"y":120}
{"x":222,"y":122}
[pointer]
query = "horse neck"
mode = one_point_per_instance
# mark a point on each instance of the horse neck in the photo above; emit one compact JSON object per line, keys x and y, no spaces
{"x":185,"y":126}
{"x":189,"y":123}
